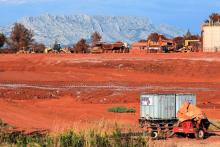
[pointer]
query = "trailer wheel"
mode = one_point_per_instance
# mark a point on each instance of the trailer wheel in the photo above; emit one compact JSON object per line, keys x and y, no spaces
{"x":200,"y":134}
{"x":154,"y":135}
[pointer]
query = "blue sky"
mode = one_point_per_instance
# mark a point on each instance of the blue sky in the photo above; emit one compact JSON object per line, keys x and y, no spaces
{"x":181,"y":13}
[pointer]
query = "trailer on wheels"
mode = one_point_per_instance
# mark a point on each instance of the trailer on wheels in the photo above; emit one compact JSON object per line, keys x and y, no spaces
{"x":158,"y":113}
{"x":116,"y":47}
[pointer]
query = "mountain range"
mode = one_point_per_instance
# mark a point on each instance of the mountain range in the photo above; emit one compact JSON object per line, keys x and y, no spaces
{"x":69,"y":29}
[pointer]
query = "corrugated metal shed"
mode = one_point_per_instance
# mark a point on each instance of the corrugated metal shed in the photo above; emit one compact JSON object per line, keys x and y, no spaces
{"x":163,"y":106}
{"x":158,"y":106}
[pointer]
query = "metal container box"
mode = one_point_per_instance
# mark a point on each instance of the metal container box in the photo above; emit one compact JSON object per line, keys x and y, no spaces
{"x":163,"y":106}
{"x":158,"y":106}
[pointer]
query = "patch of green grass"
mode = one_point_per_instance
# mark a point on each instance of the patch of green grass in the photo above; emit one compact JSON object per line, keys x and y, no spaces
{"x":121,"y":109}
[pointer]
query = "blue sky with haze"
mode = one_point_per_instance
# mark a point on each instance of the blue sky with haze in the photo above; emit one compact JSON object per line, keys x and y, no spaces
{"x":181,"y":13}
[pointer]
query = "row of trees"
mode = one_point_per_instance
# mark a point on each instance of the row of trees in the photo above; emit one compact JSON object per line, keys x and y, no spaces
{"x":21,"y":38}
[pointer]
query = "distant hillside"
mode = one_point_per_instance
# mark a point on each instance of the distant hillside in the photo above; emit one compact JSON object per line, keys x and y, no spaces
{"x":69,"y":29}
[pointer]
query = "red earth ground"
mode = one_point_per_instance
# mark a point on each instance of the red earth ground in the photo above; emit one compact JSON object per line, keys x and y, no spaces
{"x":57,"y":92}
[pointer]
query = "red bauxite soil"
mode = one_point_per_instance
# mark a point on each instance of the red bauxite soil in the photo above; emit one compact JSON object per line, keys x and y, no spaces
{"x":56,"y":91}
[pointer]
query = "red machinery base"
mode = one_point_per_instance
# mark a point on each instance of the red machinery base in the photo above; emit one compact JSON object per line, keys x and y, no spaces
{"x":189,"y":127}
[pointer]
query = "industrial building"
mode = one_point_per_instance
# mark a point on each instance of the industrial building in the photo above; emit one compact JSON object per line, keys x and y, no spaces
{"x":211,"y":37}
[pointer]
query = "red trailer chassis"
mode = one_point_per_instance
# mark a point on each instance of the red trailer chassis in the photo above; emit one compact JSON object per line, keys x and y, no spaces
{"x":195,"y":128}
{"x":190,"y":127}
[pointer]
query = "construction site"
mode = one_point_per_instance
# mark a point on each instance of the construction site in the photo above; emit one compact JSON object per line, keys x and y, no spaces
{"x":60,"y":91}
{"x":166,"y":89}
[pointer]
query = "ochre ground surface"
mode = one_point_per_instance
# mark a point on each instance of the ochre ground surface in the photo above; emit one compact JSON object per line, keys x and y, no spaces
{"x":60,"y":91}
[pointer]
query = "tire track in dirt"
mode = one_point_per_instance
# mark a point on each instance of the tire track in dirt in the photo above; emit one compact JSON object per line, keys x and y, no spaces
{"x":101,"y":86}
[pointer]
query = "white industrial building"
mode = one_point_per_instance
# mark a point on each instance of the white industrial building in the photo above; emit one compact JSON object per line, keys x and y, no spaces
{"x":211,"y":38}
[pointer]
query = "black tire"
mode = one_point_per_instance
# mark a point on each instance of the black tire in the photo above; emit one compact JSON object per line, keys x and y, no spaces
{"x":190,"y":135}
{"x":154,"y":135}
{"x":200,"y":134}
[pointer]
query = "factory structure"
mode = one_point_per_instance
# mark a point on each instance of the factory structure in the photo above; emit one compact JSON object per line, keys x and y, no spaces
{"x":211,"y":37}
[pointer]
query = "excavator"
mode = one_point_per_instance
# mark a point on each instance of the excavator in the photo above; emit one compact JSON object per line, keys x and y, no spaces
{"x":188,"y":46}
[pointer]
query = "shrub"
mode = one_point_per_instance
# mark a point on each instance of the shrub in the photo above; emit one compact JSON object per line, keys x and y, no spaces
{"x":128,"y":140}
{"x":71,"y":139}
{"x":98,"y":140}
{"x":121,"y":109}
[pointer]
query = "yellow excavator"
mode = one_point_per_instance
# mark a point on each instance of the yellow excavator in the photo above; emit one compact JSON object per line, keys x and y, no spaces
{"x":188,"y":45}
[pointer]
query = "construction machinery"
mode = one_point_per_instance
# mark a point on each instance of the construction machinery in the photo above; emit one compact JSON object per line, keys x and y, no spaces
{"x":190,"y":46}
{"x":62,"y":50}
{"x":172,"y":114}
{"x":117,"y":47}
{"x":23,"y":52}
{"x":192,"y":121}
{"x":49,"y":50}
{"x":190,"y":42}
{"x":97,"y":49}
